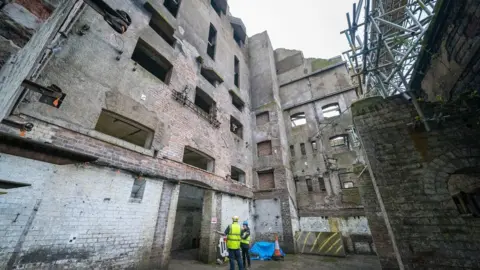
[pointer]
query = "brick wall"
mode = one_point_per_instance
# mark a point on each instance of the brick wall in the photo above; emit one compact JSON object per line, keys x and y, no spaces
{"x":266,"y":180}
{"x":264,"y":148}
{"x":411,"y":168}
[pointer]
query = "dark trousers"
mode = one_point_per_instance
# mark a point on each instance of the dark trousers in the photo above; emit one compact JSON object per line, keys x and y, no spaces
{"x":234,"y":254}
{"x":246,"y":255}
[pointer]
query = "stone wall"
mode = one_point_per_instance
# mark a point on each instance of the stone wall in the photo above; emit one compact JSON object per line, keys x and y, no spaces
{"x":410,"y":171}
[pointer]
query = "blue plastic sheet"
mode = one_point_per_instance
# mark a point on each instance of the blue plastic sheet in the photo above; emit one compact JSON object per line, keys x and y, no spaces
{"x":263,"y":251}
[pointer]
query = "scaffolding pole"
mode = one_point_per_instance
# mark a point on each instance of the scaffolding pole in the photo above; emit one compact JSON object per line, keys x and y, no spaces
{"x":386,"y":44}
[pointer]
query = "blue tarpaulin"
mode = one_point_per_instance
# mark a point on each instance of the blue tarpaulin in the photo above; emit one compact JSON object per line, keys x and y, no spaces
{"x":263,"y":251}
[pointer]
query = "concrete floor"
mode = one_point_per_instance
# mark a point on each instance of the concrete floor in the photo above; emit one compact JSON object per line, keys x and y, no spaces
{"x":292,"y":262}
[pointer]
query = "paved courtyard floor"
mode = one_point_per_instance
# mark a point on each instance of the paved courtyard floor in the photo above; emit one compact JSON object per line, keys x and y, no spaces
{"x":291,"y":262}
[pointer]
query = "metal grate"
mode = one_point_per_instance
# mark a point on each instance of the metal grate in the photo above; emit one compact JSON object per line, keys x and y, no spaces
{"x":182,"y":98}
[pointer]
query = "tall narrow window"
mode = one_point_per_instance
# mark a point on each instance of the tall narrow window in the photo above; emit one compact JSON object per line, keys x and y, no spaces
{"x":302,"y":149}
{"x":172,"y":6}
{"x":298,"y":119}
{"x":314,"y":146}
{"x":212,"y":42}
{"x":236,"y":72}
{"x":331,"y":110}
{"x":138,"y":188}
{"x":152,"y":61}
{"x":292,"y":150}
{"x":309,"y":185}
{"x":124,"y":129}
{"x":321,"y":183}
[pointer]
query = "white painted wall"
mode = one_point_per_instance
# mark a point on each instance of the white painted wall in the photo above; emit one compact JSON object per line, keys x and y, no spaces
{"x":314,"y":224}
{"x":236,"y":206}
{"x":83,"y":209}
{"x":267,"y":211}
{"x":354,"y":225}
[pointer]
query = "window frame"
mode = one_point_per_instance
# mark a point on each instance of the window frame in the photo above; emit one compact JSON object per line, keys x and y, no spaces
{"x":326,"y":110}
{"x":294,"y":120}
{"x":212,"y":44}
{"x":236,"y":72}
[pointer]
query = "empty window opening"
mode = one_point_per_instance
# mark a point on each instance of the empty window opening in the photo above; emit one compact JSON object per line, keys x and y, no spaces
{"x":124,"y":129}
{"x":237,"y":101}
{"x":321,"y":183}
{"x":138,"y":188}
{"x":348,"y":184}
{"x":297,"y":183}
{"x":298,"y":119}
{"x":465,"y":191}
{"x":236,"y":127}
{"x":152,"y":61}
{"x":236,"y":72}
{"x":262,"y":118}
{"x":163,"y":29}
{"x":314,"y":146}
{"x":211,"y":76}
{"x":218,"y":6}
{"x":198,"y":159}
{"x":266,"y":180}
{"x":238,"y":39}
{"x":204,"y":101}
{"x":340,"y":140}
{"x":172,"y":6}
{"x":302,"y":149}
{"x":331,"y":110}
{"x":264,"y":148}
{"x":212,"y":42}
{"x":309,"y":185}
{"x":292,"y":150}
{"x":237,"y":174}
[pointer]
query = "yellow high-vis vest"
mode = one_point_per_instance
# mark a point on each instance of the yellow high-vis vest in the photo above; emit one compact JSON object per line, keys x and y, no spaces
{"x":246,"y":240}
{"x":233,"y":237}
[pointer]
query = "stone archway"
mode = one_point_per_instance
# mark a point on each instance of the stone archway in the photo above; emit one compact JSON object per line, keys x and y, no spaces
{"x":438,"y":172}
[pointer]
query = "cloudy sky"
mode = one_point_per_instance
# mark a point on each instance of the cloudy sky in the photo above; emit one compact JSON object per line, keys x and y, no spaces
{"x":312,"y":26}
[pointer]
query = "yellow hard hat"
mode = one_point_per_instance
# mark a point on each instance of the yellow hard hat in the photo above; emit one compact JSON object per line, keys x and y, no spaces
{"x":235,"y":218}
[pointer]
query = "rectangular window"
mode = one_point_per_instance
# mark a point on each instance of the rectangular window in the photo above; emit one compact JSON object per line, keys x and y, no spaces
{"x":124,"y":129}
{"x":264,"y":148}
{"x":321,"y":183}
{"x":236,"y":100}
{"x":212,"y":42}
{"x":302,"y":149}
{"x":204,"y":101}
{"x":172,"y":6}
{"x":163,"y":29}
{"x":198,"y":159}
{"x":152,"y":61}
{"x":340,"y":140}
{"x":314,"y":146}
{"x":138,"y":188}
{"x":298,"y":119}
{"x":236,"y":72}
{"x":237,"y":174}
{"x":236,"y":127}
{"x":309,"y":185}
{"x":262,"y":118}
{"x":331,"y":110}
{"x":266,"y":180}
{"x":348,"y":184}
{"x":292,"y":150}
{"x":219,"y":6}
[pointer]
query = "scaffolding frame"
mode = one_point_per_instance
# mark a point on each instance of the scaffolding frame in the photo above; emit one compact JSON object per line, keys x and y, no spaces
{"x":385,"y":46}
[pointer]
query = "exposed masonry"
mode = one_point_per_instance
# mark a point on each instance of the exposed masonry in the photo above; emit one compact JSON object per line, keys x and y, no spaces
{"x":141,"y":108}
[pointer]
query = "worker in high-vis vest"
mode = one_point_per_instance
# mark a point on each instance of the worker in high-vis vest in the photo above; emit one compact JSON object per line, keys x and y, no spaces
{"x":233,"y":233}
{"x":245,"y":245}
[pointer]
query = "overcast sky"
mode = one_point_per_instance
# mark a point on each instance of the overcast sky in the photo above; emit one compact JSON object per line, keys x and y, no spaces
{"x":312,"y":26}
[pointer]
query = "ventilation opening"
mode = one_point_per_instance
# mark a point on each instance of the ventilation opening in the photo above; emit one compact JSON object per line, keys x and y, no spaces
{"x":163,"y":29}
{"x":124,"y":129}
{"x":236,"y":72}
{"x":198,"y":159}
{"x":237,"y":101}
{"x":138,"y":188}
{"x":302,"y":149}
{"x":266,"y":180}
{"x":152,"y":61}
{"x":236,"y":127}
{"x":262,"y":118}
{"x":204,"y":101}
{"x":298,"y":119}
{"x":292,"y":150}
{"x":237,"y":174}
{"x":309,"y":185}
{"x":172,"y":6}
{"x":340,"y":140}
{"x":264,"y":148}
{"x":212,"y":42}
{"x":331,"y":110}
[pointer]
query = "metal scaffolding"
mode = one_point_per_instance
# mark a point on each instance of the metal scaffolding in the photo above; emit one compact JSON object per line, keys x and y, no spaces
{"x":385,"y":46}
